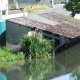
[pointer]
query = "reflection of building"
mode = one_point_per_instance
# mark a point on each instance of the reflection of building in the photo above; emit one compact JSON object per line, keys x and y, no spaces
{"x":14,"y":72}
{"x":2,"y":76}
{"x":58,"y":70}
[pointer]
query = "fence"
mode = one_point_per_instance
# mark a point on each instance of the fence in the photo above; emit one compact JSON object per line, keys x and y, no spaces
{"x":31,"y":2}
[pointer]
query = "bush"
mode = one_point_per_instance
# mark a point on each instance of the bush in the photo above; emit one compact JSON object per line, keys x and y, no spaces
{"x":35,"y":46}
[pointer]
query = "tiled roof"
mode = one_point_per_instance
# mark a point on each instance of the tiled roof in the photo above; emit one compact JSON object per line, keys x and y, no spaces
{"x":52,"y":22}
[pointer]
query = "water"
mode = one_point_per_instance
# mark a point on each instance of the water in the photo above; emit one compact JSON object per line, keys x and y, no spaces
{"x":65,"y":66}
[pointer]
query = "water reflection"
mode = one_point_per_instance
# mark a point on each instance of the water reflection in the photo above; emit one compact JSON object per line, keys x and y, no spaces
{"x":64,"y":77}
{"x":76,"y":74}
{"x":70,"y":58}
{"x":66,"y":66}
{"x":38,"y":69}
{"x":35,"y":70}
{"x":3,"y":76}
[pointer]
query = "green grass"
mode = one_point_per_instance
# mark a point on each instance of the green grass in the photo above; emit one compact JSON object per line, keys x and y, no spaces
{"x":36,"y":8}
{"x":7,"y":54}
{"x":35,"y":46}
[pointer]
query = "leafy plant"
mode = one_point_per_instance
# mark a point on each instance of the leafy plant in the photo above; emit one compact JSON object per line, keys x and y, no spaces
{"x":73,"y":6}
{"x":35,"y":46}
{"x":11,"y":6}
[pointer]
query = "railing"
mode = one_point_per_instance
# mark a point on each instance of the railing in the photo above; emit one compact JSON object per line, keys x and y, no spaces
{"x":59,"y":1}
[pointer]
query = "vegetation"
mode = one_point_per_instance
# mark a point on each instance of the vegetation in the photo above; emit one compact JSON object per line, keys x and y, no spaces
{"x":36,"y":8}
{"x":35,"y":46}
{"x":11,"y":7}
{"x":73,"y":6}
{"x":38,"y":0}
{"x":7,"y":54}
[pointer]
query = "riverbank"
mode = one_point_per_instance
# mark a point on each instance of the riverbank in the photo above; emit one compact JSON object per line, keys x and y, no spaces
{"x":7,"y":54}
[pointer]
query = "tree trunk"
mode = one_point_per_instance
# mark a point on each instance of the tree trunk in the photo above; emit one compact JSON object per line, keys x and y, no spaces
{"x":16,"y":4}
{"x":52,"y":3}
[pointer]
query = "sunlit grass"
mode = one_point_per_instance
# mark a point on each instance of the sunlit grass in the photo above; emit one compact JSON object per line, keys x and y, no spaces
{"x":7,"y":54}
{"x":35,"y":8}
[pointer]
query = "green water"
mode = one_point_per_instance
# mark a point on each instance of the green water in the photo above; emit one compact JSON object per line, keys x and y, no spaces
{"x":65,"y":66}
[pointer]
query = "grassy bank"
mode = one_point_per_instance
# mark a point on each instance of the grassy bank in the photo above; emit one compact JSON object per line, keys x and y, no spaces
{"x":33,"y":46}
{"x":36,"y":8}
{"x":7,"y":54}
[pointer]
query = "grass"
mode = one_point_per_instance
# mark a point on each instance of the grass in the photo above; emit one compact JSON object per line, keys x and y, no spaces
{"x":36,"y":8}
{"x":35,"y":46}
{"x":7,"y":54}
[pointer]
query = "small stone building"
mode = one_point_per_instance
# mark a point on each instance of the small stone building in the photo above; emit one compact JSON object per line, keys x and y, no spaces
{"x":59,"y":28}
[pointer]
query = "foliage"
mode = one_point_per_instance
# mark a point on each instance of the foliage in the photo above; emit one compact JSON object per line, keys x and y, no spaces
{"x":35,"y":8}
{"x":11,"y":6}
{"x":7,"y":54}
{"x":73,"y":6}
{"x":38,"y":0}
{"x":36,"y":46}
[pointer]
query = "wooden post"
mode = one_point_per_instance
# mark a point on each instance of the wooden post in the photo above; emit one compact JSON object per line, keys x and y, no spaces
{"x":16,"y":4}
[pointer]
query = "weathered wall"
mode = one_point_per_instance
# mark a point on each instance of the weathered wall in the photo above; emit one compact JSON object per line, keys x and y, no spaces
{"x":13,"y":34}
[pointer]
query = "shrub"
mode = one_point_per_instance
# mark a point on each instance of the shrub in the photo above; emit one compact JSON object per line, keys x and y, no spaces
{"x":35,"y":46}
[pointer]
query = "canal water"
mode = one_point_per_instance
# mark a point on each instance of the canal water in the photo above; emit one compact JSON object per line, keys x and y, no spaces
{"x":64,"y":66}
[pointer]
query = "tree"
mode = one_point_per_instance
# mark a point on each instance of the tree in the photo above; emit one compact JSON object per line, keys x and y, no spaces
{"x":73,"y":6}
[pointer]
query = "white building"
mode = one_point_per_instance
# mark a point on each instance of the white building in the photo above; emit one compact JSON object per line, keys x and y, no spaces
{"x":3,"y":8}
